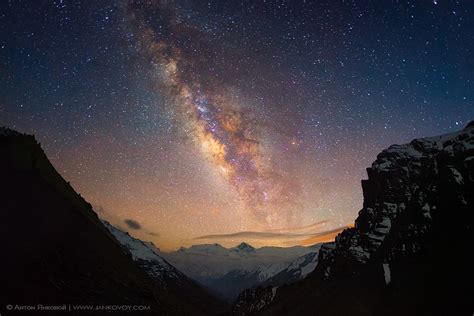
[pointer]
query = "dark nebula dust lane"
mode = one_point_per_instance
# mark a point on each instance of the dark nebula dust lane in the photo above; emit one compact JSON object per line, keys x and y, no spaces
{"x":226,"y":132}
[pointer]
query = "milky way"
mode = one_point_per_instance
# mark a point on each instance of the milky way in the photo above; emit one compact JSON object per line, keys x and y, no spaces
{"x":226,"y":134}
{"x":231,"y":120}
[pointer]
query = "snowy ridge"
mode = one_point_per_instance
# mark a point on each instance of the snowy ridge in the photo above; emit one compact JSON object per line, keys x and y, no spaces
{"x":298,"y":269}
{"x":423,"y":148}
{"x":304,"y":265}
{"x":203,"y":249}
{"x":266,"y":272}
{"x":146,"y":254}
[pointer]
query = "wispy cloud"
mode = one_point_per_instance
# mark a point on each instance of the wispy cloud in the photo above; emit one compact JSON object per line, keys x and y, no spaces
{"x":250,"y":234}
{"x":323,"y":237}
{"x":276,"y":238}
{"x":301,"y":228}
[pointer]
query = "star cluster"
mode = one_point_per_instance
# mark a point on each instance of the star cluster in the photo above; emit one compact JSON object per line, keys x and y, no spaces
{"x":196,"y":118}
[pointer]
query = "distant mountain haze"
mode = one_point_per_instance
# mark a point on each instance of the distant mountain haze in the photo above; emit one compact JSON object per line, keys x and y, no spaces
{"x":228,"y":271}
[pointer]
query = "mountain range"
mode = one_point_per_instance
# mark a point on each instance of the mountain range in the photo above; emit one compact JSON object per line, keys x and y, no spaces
{"x":408,"y":253}
{"x":228,"y":271}
{"x":62,"y":254}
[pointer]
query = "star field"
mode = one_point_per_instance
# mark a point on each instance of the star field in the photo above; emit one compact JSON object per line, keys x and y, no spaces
{"x":191,"y":118}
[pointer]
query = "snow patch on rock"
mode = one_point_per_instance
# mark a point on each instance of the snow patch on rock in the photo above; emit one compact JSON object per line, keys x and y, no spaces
{"x":387,"y":273}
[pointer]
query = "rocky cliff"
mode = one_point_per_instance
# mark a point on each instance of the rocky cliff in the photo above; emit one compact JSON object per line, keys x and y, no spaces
{"x":409,"y":251}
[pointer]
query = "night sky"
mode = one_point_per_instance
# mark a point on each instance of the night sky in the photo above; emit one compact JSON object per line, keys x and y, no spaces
{"x":221,"y":121}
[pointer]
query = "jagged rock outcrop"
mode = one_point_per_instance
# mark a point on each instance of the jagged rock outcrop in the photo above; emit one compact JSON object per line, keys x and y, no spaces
{"x":252,"y":301}
{"x":409,"y":251}
{"x":407,"y":188}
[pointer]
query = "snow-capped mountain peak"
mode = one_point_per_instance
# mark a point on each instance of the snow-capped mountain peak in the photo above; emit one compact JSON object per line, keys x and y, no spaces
{"x":231,"y":270}
{"x":244,"y":247}
{"x":204,"y":249}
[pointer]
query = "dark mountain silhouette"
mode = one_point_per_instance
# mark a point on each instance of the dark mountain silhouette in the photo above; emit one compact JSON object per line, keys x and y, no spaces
{"x":56,"y":250}
{"x":410,"y":251}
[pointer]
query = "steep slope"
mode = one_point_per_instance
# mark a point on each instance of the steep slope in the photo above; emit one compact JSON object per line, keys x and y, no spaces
{"x":56,"y":251}
{"x":146,"y":255}
{"x":166,"y":276}
{"x":410,"y":250}
{"x":296,"y":270}
{"x":230,"y":271}
{"x":255,"y":298}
